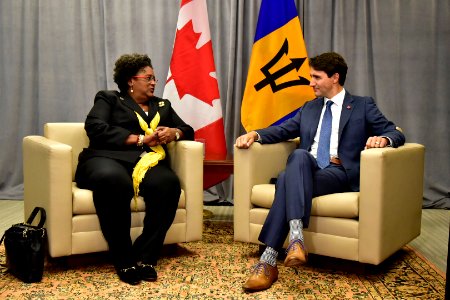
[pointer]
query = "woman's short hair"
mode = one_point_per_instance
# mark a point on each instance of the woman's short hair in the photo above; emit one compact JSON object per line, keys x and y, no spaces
{"x":127,"y":66}
{"x":330,"y":63}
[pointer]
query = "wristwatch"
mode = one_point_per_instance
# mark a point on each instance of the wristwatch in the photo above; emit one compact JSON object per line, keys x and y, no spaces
{"x":177,"y":135}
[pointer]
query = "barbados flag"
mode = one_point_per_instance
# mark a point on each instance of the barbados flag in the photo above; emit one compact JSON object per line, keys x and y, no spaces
{"x":278,"y":76}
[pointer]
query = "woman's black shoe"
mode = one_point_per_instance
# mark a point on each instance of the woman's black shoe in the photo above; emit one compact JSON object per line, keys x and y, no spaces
{"x":148,"y":272}
{"x":129,"y":275}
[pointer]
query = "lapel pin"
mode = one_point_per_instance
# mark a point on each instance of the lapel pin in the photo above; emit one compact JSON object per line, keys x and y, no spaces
{"x":349,"y":107}
{"x":161,"y":103}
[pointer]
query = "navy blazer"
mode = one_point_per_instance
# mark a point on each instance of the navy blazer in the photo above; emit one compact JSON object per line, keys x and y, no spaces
{"x":360,"y":119}
{"x":112,"y":119}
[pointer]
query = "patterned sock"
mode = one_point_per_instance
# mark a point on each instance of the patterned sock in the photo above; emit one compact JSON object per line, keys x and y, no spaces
{"x":269,"y":256}
{"x":296,"y":232}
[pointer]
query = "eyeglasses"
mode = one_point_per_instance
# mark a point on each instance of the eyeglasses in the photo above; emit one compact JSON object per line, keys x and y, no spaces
{"x":149,"y":78}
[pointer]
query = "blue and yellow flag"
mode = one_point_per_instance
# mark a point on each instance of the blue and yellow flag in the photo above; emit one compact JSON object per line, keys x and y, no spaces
{"x":278,"y":76}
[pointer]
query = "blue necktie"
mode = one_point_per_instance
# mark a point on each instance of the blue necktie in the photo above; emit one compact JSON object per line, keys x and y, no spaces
{"x":323,"y":150}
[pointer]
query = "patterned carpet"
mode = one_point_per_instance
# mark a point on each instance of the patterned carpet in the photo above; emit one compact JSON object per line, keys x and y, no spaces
{"x":216,"y":267}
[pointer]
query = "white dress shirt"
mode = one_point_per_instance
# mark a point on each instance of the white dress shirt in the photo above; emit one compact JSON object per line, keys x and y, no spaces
{"x":336,"y":109}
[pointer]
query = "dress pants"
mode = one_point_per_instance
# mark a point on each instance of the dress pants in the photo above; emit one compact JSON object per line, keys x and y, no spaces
{"x":112,"y":186}
{"x":296,"y":186}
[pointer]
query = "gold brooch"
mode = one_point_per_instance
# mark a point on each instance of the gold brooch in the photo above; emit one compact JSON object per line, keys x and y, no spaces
{"x":161,"y":103}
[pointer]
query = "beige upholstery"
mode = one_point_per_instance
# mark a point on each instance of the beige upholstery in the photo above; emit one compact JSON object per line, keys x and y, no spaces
{"x":50,"y":162}
{"x":366,"y":226}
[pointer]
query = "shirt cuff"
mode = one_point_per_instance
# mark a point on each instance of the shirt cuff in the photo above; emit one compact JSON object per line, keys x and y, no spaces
{"x":390,"y":141}
{"x":259,"y":139}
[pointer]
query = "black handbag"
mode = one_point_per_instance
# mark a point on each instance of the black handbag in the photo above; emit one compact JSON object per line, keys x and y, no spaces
{"x":25,"y":248}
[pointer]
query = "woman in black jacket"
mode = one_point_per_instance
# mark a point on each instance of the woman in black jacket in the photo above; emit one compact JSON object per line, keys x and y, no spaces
{"x":128,"y":132}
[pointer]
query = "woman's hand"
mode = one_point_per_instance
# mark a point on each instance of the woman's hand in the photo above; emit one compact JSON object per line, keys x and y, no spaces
{"x":161,"y":136}
{"x":165,"y":134}
{"x":152,"y":140}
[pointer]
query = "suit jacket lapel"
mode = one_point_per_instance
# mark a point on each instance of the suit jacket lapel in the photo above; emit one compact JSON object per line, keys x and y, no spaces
{"x":130,"y":103}
{"x":347,"y":108}
{"x":315,"y":113}
{"x":153,"y":107}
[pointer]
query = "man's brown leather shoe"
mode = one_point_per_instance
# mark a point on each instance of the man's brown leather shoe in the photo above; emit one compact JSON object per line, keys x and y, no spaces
{"x":296,"y":254}
{"x":262,"y":276}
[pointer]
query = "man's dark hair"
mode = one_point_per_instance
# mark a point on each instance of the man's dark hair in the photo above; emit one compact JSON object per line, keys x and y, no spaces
{"x":330,"y":63}
{"x":127,"y":66}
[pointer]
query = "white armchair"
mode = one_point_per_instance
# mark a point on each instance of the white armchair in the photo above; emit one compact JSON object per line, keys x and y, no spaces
{"x":366,"y":226}
{"x":49,"y":164}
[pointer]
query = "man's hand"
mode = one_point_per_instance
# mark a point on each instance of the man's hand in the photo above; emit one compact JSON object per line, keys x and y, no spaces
{"x":377,"y":142}
{"x":246,"y":140}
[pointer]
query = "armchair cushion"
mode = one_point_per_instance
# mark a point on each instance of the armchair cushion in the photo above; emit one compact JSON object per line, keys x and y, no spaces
{"x":339,"y":205}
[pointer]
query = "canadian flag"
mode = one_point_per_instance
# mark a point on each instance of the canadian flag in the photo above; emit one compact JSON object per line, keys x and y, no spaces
{"x":192,"y":86}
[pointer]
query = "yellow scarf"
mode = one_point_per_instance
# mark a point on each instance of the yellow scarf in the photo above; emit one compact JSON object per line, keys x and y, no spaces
{"x":149,"y":159}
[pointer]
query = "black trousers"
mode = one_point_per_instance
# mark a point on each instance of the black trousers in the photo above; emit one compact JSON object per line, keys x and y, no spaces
{"x":112,"y":186}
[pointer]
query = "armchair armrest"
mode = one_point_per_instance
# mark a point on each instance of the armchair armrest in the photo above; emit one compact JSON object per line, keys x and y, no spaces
{"x":47,"y":171}
{"x":186,"y":159}
{"x":390,"y":207}
{"x":256,"y":165}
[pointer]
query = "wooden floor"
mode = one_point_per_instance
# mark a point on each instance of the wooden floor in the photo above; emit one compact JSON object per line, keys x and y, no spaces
{"x":433,"y":240}
{"x":432,"y":243}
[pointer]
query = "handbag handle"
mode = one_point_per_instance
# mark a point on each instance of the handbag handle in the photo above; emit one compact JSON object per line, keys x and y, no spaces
{"x":33,"y":215}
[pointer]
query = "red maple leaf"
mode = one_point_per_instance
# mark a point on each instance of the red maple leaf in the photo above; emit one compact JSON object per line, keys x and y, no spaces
{"x":183,"y":2}
{"x":191,"y":67}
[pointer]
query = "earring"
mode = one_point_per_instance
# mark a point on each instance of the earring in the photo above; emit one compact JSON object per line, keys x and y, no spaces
{"x":131,"y":89}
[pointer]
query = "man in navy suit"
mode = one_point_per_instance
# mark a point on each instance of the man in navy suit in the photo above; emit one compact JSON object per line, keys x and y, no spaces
{"x":333,"y":128}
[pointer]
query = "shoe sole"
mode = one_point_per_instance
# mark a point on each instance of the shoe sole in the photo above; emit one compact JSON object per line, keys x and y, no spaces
{"x":253,"y":290}
{"x":149,"y":279}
